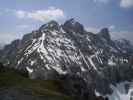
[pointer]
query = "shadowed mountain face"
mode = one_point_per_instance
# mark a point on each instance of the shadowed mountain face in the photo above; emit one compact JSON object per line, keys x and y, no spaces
{"x":55,"y":50}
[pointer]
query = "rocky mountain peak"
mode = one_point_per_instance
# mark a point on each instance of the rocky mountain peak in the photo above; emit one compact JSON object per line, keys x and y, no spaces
{"x":105,"y":33}
{"x":72,"y":25}
{"x":72,"y":21}
{"x":53,"y":25}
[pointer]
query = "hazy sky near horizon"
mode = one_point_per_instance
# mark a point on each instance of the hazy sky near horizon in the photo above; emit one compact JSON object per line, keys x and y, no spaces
{"x":18,"y":17}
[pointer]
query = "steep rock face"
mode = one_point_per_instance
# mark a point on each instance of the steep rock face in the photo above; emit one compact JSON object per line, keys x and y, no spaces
{"x":73,"y":26}
{"x":105,"y":33}
{"x":69,"y":49}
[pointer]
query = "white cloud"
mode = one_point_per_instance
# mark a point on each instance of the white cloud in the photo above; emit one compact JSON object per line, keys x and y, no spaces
{"x":101,"y":1}
{"x":51,"y":13}
{"x":92,"y":29}
{"x":111,"y":27}
{"x":96,"y":30}
{"x":122,"y":34}
{"x":21,"y":13}
{"x":23,"y":26}
{"x":6,"y":38}
{"x":126,"y":3}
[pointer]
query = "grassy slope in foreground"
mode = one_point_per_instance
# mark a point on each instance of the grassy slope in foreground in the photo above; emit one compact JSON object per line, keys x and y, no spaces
{"x":50,"y":89}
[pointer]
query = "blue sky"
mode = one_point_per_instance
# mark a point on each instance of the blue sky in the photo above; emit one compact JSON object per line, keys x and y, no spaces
{"x":18,"y":17}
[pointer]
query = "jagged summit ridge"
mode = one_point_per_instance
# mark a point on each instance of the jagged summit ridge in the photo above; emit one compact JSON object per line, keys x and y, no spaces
{"x":73,"y":26}
{"x":50,"y":25}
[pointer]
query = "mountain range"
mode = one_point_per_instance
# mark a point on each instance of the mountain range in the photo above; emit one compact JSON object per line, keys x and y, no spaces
{"x":68,"y":50}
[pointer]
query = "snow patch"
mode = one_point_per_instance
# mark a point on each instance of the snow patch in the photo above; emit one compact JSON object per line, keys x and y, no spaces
{"x":120,"y":92}
{"x":54,"y":32}
{"x":30,"y":70}
{"x":59,"y":70}
{"x":111,"y":63}
{"x":84,"y":59}
{"x":20,"y":60}
{"x":30,"y":50}
{"x":41,"y":47}
{"x":97,"y":93}
{"x":62,"y":30}
{"x":32,"y":63}
{"x":47,"y":66}
{"x":91,"y":62}
{"x":83,"y":69}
